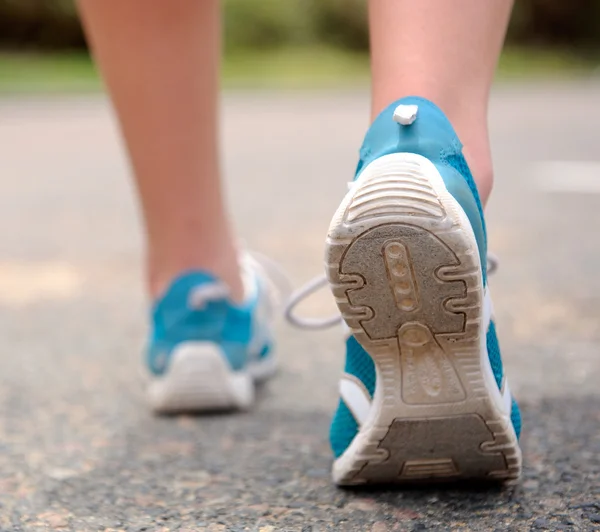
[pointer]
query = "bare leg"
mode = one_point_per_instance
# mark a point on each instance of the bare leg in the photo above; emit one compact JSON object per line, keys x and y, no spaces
{"x":446,"y":51}
{"x":160,"y":61}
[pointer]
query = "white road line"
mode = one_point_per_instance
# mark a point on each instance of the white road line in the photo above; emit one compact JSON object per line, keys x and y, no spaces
{"x":579,"y":177}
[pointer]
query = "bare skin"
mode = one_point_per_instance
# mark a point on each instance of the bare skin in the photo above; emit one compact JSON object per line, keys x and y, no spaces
{"x":446,"y":51}
{"x":160,"y":61}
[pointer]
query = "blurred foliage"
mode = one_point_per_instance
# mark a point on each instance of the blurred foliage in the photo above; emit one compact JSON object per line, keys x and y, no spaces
{"x":564,"y":23}
{"x":340,"y":22}
{"x":50,"y":24}
{"x":261,"y":24}
{"x":265,"y":23}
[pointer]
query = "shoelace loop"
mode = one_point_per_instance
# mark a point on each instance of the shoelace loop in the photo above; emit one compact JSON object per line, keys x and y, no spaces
{"x":202,"y":295}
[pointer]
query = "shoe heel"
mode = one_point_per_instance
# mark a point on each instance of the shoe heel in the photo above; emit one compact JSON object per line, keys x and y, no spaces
{"x":404,"y":268}
{"x":199,"y":379}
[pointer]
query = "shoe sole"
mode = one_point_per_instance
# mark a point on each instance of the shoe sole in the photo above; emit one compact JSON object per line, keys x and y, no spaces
{"x":404,"y":267}
{"x":199,"y":379}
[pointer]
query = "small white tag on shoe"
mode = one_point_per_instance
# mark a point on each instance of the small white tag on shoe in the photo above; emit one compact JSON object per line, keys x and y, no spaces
{"x":406,"y":114}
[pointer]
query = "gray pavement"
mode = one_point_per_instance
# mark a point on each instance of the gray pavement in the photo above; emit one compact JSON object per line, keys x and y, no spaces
{"x":80,"y":451}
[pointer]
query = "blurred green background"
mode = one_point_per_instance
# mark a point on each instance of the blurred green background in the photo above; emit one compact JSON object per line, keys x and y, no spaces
{"x":289,"y":42}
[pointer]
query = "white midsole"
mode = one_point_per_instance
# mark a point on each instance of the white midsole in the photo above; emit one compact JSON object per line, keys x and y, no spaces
{"x":200,"y":378}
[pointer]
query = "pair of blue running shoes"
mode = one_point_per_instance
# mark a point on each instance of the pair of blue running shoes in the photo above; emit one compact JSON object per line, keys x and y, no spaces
{"x":423,"y":394}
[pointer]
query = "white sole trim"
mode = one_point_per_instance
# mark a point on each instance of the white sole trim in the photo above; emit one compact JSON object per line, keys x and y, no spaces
{"x":199,"y":379}
{"x":356,"y":397}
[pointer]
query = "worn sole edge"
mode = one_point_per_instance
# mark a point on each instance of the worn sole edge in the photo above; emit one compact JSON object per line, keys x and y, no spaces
{"x":346,"y":468}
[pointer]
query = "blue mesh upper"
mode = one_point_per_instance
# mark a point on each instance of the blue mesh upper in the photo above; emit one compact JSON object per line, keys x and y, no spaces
{"x":494,"y":353}
{"x":515,"y":416}
{"x":458,"y":162}
{"x":360,"y":364}
{"x":174,"y":322}
{"x":343,"y":429}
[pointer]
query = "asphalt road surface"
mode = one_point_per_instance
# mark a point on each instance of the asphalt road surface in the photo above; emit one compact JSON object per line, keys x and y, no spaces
{"x":79,"y":450}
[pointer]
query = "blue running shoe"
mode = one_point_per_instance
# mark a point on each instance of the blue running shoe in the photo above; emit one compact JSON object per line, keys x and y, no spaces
{"x":423,"y":394}
{"x":206,"y":353}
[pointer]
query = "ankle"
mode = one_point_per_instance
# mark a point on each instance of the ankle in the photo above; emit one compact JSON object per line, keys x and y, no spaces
{"x":163,"y":268}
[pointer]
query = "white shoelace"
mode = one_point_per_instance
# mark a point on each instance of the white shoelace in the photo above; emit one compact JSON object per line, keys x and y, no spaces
{"x":201,"y":295}
{"x":253,"y":264}
{"x":319,"y":282}
{"x":278,"y":287}
{"x":278,"y":284}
